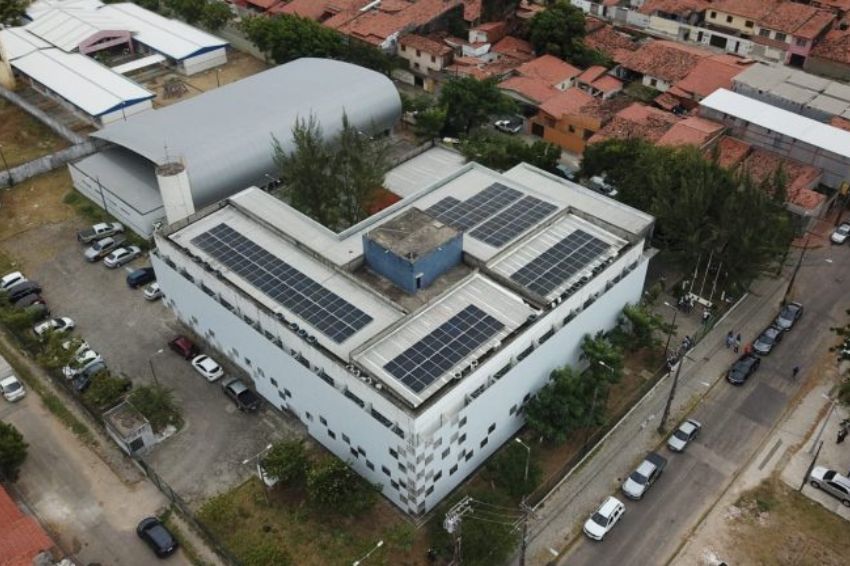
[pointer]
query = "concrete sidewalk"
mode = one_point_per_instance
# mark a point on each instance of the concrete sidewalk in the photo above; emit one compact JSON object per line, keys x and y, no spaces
{"x":560,"y":515}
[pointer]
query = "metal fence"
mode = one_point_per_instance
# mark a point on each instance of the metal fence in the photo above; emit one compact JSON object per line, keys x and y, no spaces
{"x":186,"y":513}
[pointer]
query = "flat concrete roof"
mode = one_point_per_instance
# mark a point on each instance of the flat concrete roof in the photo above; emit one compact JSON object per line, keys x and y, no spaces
{"x":413,"y":175}
{"x":412,"y":234}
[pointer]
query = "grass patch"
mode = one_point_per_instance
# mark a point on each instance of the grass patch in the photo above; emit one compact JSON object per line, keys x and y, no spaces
{"x":779,"y":525}
{"x":641,"y":93}
{"x":189,"y":549}
{"x":287,"y":531}
{"x":35,"y":203}
{"x":23,"y":137}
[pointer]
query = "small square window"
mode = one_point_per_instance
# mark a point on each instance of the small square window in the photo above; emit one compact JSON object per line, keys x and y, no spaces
{"x":401,"y":468}
{"x":446,"y":453}
{"x":274,"y":381}
{"x":281,"y":395}
{"x":748,"y":24}
{"x":453,"y":469}
{"x":484,"y":442}
{"x":462,"y":422}
{"x":394,"y":484}
{"x":287,"y":392}
{"x":247,"y":362}
{"x":346,"y":439}
{"x":332,"y":434}
{"x":728,"y":19}
{"x":469,"y":455}
{"x":354,"y":453}
{"x":386,"y":470}
{"x":780,"y":36}
{"x":429,"y":491}
{"x":491,"y":428}
{"x":437,"y":476}
{"x":462,"y":439}
{"x":513,"y":410}
{"x":526,"y":398}
{"x":360,"y":449}
{"x":370,"y":465}
{"x":309,"y":416}
{"x":438,"y":442}
{"x":393,"y":453}
{"x":712,"y":15}
{"x":322,"y":420}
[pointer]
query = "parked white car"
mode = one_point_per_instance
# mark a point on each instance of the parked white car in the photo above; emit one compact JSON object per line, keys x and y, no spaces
{"x":207,"y":367}
{"x":153,"y":292}
{"x":13,"y":390}
{"x":840,"y":235}
{"x":82,"y":361}
{"x":604,"y":519}
{"x":119,"y":257}
{"x":11,"y":279}
{"x":61,"y":324}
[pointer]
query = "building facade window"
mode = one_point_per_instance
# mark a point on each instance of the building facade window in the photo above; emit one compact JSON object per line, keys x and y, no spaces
{"x":322,"y":420}
{"x":370,"y":465}
{"x":491,"y":428}
{"x":780,"y":36}
{"x":386,"y":471}
{"x":446,"y":453}
{"x":332,"y":434}
{"x":452,"y":470}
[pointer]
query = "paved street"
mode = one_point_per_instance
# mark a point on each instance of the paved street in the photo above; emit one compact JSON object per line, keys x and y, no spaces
{"x":77,"y":496}
{"x":736,"y":420}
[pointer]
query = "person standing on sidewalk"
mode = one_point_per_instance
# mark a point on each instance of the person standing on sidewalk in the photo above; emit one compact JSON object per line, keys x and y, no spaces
{"x":794,"y":372}
{"x":730,"y":339}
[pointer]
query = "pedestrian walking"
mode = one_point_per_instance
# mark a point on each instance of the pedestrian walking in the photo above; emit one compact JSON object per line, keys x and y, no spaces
{"x":842,"y":434}
{"x":748,"y":348}
{"x":706,"y":314}
{"x":730,"y":339}
{"x":794,"y":372}
{"x":737,"y":346}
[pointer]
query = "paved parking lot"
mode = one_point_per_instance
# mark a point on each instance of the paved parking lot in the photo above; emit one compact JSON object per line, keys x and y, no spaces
{"x":202,"y":459}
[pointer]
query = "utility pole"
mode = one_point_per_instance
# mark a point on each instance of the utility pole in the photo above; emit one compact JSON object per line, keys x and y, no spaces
{"x":526,"y":513}
{"x":452,"y":524}
{"x":663,"y":424}
{"x":672,"y":328}
{"x":796,"y":269}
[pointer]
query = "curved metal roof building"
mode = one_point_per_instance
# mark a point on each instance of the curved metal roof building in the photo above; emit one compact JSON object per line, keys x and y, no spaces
{"x":224,"y":136}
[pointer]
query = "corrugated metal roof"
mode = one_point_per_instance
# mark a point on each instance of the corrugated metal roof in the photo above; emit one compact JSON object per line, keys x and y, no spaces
{"x":83,"y":82}
{"x":17,"y":42}
{"x":68,"y":28}
{"x":38,"y":7}
{"x":169,"y":37}
{"x":781,"y":121}
{"x":224,"y":136}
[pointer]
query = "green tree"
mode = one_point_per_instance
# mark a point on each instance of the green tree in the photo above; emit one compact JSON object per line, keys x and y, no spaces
{"x":13,"y":451}
{"x":560,"y":31}
{"x":332,"y":181}
{"x":501,"y":152}
{"x":489,"y":533}
{"x":54,"y":355}
{"x":562,"y":406}
{"x":305,"y":172}
{"x":152,"y":5}
{"x":429,"y":123}
{"x":638,"y":327}
{"x":507,"y":470}
{"x":358,"y":164}
{"x":215,"y":15}
{"x":287,"y":461}
{"x":333,"y":486}
{"x":470,"y":103}
{"x":157,"y":404}
{"x":189,"y":10}
{"x":285,"y":38}
{"x":106,"y":390}
{"x":12,"y":12}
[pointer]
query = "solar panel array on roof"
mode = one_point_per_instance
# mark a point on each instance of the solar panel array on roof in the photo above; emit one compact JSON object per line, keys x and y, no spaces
{"x":513,"y":221}
{"x":435,"y":354}
{"x":326,"y":311}
{"x":559,"y":263}
{"x":478,"y":208}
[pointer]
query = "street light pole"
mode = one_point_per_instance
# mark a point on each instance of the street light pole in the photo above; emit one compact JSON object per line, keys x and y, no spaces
{"x":796,"y":269}
{"x":365,"y":556}
{"x":663,"y":424}
{"x":527,"y":457}
{"x":150,"y":363}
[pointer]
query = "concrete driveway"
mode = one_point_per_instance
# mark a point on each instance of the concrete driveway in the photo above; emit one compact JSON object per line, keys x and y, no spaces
{"x":202,"y":459}
{"x":77,"y":496}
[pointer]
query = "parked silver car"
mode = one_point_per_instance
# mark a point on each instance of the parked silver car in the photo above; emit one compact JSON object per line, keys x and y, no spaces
{"x":637,"y":484}
{"x":831,"y":482}
{"x":121,"y":256}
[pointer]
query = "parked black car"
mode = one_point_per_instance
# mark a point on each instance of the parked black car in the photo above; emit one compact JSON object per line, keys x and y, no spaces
{"x":159,"y":538}
{"x":31,"y":299}
{"x":141,"y":277}
{"x":743,"y":368}
{"x":23,"y":289}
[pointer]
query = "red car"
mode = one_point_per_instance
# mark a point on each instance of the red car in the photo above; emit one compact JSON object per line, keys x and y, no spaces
{"x":184,"y":347}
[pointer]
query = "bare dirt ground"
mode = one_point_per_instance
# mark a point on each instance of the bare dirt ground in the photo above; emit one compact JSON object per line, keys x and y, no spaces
{"x":23,"y":138}
{"x":238,"y":66}
{"x":34,"y":203}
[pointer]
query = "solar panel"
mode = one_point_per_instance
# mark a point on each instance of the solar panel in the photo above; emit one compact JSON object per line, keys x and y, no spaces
{"x":560,"y":262}
{"x":326,"y":311}
{"x":435,"y":354}
{"x":478,"y":208}
{"x":513,"y":221}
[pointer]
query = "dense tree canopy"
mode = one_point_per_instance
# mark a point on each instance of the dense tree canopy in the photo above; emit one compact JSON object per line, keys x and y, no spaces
{"x":502,"y":152}
{"x":560,"y":31}
{"x":469,"y":103}
{"x":287,"y":461}
{"x":333,"y":486}
{"x":332,"y":181}
{"x":13,"y":451}
{"x":12,"y":11}
{"x":701,"y":208}
{"x":507,"y":470}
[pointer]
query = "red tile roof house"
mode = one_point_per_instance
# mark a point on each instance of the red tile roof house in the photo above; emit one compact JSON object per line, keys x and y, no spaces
{"x":690,"y":12}
{"x":793,"y":28}
{"x":383,"y":24}
{"x":597,"y":82}
{"x":660,"y":64}
{"x":709,"y":74}
{"x":694,"y":131}
{"x":801,"y":179}
{"x":605,"y":39}
{"x":636,"y":121}
{"x":540,"y":79}
{"x":21,"y":537}
{"x":831,"y":56}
